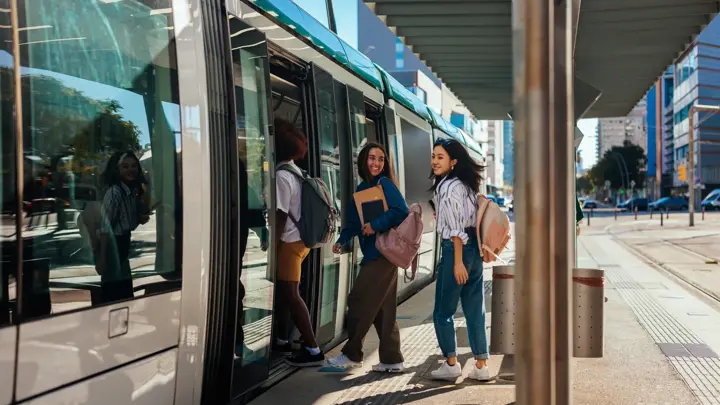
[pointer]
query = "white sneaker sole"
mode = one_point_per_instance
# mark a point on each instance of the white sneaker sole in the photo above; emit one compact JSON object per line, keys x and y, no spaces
{"x":343,"y":366}
{"x":392,"y":370}
{"x":445,"y":378}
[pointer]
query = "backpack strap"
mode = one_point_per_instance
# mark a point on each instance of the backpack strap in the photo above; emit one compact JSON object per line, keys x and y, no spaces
{"x":302,"y":176}
{"x":413,"y":270}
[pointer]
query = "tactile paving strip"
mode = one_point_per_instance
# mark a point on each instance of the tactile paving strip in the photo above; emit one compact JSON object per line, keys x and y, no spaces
{"x":420,"y":350}
{"x":694,"y":361}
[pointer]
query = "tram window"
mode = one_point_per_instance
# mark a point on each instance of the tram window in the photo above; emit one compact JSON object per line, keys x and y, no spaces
{"x":417,"y":144}
{"x":101,"y":126}
{"x":8,"y":178}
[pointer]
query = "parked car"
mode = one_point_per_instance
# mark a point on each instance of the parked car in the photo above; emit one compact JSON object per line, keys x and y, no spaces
{"x":630,"y":205}
{"x":669,"y":203}
{"x":589,"y":204}
{"x":711,"y":202}
{"x":501,"y":201}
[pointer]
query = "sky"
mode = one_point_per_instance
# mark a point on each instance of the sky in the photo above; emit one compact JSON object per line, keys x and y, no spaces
{"x":588,"y":146}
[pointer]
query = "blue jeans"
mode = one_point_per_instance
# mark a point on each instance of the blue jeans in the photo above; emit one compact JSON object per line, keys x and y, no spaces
{"x":472,"y":296}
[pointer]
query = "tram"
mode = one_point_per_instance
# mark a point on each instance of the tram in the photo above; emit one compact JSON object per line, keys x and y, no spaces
{"x":187,"y":91}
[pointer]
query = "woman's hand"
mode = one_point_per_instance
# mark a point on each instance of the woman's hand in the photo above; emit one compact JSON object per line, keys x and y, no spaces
{"x":461,"y":274}
{"x":367,"y":230}
{"x":337,"y":249}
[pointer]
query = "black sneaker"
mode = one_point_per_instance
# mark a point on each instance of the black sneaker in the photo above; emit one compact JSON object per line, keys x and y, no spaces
{"x":304,"y":358}
{"x":284,"y":348}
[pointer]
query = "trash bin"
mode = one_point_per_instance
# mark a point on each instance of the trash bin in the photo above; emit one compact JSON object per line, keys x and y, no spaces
{"x":502,"y":327}
{"x":588,"y":289}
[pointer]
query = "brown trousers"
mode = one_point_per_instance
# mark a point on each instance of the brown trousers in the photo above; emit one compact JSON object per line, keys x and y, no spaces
{"x":373,"y":301}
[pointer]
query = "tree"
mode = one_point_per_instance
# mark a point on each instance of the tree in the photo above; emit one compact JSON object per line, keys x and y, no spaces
{"x":61,"y":121}
{"x":583,"y":184}
{"x":620,"y":165}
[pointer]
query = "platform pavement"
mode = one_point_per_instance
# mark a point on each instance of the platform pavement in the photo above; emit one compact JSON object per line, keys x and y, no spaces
{"x":661,"y":342}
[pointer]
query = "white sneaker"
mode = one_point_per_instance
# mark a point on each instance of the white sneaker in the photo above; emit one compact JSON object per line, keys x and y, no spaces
{"x":342,"y":361}
{"x":447,"y":372}
{"x":480,"y":374}
{"x":389,"y":368}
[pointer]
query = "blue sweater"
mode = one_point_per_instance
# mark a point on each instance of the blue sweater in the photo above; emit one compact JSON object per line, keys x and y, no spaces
{"x":396,"y":213}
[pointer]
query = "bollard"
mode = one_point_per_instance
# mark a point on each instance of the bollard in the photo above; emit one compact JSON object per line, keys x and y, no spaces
{"x":667,"y":213}
{"x":502,"y":321}
{"x":661,"y":219}
{"x":636,"y":210}
{"x":615,"y":213}
{"x":588,"y":291}
{"x":651,"y":212}
{"x":703,"y":212}
{"x":588,"y":219}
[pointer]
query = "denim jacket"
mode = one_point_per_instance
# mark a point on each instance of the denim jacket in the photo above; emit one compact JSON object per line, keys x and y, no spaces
{"x":396,"y":213}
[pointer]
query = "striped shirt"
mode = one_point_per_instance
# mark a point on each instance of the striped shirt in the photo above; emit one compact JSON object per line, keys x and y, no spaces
{"x":456,"y":209}
{"x":119,"y":210}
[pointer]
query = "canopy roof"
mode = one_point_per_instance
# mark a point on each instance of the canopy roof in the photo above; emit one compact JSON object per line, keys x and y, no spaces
{"x":622,"y":47}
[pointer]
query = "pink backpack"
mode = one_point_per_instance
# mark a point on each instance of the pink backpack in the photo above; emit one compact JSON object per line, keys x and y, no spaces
{"x":400,"y":245}
{"x":493,"y":229}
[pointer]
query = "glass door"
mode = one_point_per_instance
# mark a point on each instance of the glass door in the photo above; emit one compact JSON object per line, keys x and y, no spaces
{"x":253,"y":328}
{"x":328,"y":153}
{"x":359,"y":139}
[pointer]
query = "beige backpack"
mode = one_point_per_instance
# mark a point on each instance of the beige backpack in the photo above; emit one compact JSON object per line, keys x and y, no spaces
{"x":493,"y":229}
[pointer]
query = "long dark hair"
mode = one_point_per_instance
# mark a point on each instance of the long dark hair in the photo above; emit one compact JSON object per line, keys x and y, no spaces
{"x":111,"y":175}
{"x":362,"y":165}
{"x":466,"y":170}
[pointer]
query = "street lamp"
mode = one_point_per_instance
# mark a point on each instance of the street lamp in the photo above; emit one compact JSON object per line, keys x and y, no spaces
{"x":691,"y":154}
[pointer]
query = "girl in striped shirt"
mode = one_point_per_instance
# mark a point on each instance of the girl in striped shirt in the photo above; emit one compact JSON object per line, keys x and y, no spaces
{"x":460,"y":270}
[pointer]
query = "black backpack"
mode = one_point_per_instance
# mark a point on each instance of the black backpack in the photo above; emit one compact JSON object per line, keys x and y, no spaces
{"x":318,"y":215}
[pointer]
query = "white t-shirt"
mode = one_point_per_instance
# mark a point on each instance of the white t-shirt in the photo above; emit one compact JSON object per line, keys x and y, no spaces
{"x":289,"y":194}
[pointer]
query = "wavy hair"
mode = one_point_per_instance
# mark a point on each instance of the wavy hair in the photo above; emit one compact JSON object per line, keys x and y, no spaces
{"x":362,"y":166}
{"x":466,"y":170}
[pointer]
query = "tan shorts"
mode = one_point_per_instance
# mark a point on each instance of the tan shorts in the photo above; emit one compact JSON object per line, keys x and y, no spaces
{"x":290,"y":258}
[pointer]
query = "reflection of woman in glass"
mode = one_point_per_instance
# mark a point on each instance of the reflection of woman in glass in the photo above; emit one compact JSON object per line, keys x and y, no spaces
{"x":122,"y":211}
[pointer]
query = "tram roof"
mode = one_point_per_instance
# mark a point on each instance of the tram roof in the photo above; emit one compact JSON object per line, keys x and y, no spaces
{"x":622,"y":47}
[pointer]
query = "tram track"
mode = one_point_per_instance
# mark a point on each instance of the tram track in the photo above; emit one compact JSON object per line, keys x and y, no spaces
{"x":692,"y":285}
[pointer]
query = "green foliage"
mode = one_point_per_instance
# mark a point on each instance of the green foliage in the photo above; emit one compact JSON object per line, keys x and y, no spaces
{"x":62,"y":121}
{"x":613,"y":163}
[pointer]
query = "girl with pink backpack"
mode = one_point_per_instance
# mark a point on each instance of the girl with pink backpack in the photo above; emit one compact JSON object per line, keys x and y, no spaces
{"x":456,"y":185}
{"x":373,"y":299}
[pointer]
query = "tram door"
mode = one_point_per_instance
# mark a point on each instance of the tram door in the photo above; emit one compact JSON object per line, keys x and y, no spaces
{"x":253,"y":324}
{"x":329,"y":160}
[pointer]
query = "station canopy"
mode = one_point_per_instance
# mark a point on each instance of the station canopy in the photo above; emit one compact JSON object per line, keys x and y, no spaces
{"x":622,"y":47}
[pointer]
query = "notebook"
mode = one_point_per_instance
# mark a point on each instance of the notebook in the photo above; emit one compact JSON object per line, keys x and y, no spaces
{"x":370,"y":203}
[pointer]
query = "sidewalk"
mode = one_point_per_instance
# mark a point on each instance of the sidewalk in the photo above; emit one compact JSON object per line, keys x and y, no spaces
{"x":655,"y":353}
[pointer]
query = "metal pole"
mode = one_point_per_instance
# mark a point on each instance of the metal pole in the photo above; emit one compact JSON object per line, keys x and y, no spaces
{"x":691,"y":166}
{"x":543,"y":161}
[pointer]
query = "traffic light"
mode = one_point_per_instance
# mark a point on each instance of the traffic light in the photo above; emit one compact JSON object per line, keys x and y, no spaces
{"x":682,"y":172}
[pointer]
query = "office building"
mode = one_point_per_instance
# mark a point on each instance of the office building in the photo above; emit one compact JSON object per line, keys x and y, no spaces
{"x":495,"y":168}
{"x":508,"y":156}
{"x":615,"y":131}
{"x":697,"y":81}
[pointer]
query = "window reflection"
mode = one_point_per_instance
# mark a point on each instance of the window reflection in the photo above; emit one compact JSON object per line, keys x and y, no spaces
{"x":8,"y":178}
{"x":101,"y":153}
